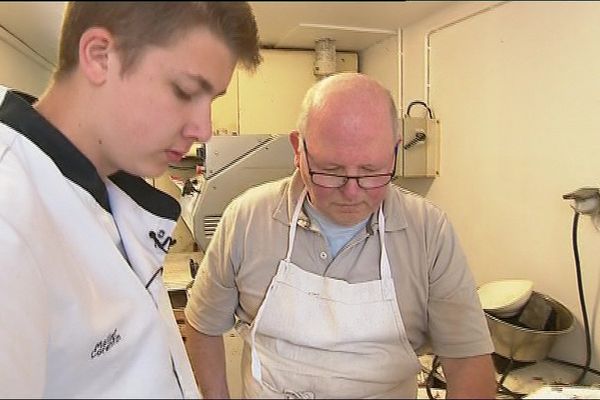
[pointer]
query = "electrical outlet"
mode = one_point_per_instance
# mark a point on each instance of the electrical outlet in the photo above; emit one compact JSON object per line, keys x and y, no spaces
{"x":586,"y":200}
{"x":421,"y":149}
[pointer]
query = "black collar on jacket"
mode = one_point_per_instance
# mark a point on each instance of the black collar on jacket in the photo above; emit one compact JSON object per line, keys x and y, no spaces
{"x":17,"y":112}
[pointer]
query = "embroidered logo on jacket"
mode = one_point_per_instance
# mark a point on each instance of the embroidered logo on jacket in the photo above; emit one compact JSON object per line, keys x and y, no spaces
{"x":105,"y":345}
{"x":164,"y":246}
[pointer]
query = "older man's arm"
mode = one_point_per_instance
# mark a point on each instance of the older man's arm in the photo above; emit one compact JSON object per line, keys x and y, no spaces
{"x":207,"y":356}
{"x":469,"y":377}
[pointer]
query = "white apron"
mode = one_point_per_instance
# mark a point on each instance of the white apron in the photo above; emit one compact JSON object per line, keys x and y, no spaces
{"x":318,"y":337}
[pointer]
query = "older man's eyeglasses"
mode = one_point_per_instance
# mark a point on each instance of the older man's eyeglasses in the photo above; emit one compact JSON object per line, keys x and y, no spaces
{"x":334,"y":181}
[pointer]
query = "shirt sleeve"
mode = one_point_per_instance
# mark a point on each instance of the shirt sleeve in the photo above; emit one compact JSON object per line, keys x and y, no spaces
{"x":214,"y":295}
{"x":457,"y":325}
{"x":24,"y":319}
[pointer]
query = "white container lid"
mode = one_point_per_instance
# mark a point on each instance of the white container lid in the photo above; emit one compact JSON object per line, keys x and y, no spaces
{"x":505,"y":298}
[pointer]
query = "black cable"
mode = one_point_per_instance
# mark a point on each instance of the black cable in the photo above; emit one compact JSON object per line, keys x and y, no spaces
{"x":506,"y":372}
{"x":430,"y":377}
{"x":574,"y":365}
{"x":421,"y":103}
{"x":586,"y":324}
{"x":501,"y":389}
{"x":506,"y":391}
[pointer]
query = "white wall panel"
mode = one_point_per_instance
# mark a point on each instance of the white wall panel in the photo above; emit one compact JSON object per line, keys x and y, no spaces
{"x":518,"y":95}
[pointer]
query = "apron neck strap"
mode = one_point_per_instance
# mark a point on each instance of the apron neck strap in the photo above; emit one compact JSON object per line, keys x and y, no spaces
{"x":293,"y":224}
{"x":384,"y":264}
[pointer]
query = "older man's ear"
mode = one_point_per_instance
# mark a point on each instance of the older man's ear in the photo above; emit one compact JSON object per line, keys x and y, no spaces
{"x":295,"y":141}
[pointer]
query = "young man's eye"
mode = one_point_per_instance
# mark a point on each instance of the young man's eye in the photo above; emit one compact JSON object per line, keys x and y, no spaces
{"x":181,"y":94}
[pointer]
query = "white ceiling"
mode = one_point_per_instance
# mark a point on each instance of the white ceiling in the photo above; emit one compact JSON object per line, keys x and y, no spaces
{"x":353,"y":25}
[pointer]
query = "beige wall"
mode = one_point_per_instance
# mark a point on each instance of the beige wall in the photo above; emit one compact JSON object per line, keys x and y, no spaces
{"x":20,"y":68}
{"x":268,"y":100}
{"x":381,"y":62}
{"x":518,"y":94}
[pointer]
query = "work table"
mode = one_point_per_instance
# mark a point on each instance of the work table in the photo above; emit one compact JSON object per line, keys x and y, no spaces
{"x":176,"y":272}
{"x":533,"y":380}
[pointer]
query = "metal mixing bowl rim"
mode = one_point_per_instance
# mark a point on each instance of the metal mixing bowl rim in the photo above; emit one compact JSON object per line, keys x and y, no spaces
{"x":528,"y":330}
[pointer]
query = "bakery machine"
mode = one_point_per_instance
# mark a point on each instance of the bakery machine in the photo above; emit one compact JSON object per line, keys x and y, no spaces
{"x":229,"y":165}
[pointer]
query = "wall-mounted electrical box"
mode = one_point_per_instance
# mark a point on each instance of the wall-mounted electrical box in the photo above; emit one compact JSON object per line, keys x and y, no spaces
{"x":420,"y":148}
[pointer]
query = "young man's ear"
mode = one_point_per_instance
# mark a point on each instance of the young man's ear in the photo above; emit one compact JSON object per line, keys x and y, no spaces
{"x":95,"y":47}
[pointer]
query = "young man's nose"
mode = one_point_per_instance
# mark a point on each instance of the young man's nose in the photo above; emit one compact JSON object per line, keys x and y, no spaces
{"x":199,"y":124}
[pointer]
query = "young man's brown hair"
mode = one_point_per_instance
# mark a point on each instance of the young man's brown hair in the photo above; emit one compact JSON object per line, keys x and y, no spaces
{"x":136,"y":25}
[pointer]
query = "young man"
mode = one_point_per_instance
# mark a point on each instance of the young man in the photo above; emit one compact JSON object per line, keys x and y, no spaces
{"x":82,"y":236}
{"x":336,"y":277}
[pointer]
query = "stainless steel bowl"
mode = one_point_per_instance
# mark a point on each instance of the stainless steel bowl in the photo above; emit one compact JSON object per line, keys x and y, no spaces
{"x":528,"y":345}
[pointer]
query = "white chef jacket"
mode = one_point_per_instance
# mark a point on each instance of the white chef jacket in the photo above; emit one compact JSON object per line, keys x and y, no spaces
{"x":83,"y":312}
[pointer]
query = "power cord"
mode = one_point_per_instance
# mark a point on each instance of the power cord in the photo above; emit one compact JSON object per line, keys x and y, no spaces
{"x":431,"y":379}
{"x":588,"y":342}
{"x":574,"y":365}
{"x":422,"y":103}
{"x":586,"y":324}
